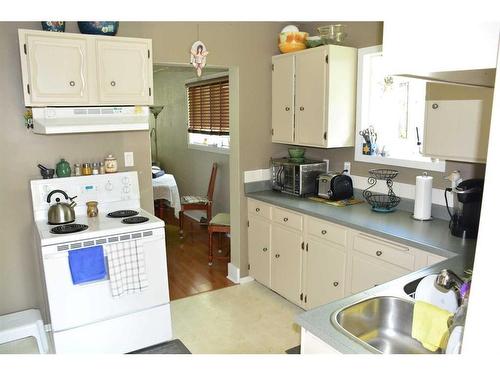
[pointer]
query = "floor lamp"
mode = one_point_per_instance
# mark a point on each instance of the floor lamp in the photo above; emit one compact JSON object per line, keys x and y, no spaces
{"x":155,"y":110}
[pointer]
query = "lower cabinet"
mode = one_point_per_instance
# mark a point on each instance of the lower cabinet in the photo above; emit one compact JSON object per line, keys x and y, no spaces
{"x":325,"y":273}
{"x":286,"y":262}
{"x":312,"y":262}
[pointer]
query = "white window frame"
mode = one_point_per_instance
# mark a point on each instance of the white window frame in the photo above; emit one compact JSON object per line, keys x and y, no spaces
{"x":200,"y":146}
{"x":439,"y":165}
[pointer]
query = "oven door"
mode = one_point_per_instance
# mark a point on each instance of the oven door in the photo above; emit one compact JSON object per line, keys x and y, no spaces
{"x":77,"y":305}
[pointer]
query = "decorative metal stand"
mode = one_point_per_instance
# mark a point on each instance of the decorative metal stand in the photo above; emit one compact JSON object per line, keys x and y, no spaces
{"x":382,"y":202}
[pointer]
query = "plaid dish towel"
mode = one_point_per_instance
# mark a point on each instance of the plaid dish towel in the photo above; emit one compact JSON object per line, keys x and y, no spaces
{"x":126,"y":267}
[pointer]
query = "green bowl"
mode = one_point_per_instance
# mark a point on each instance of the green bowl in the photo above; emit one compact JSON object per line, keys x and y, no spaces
{"x":296,"y":152}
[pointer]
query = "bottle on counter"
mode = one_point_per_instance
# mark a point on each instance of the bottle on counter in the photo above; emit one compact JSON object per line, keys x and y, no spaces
{"x":86,"y":169}
{"x":92,"y":210}
{"x":102,"y":169}
{"x":95,"y":168}
{"x":77,"y":170}
{"x":63,"y":169}
{"x":110,"y":164}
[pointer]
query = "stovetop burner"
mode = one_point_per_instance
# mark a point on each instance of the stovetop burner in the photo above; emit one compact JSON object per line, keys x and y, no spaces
{"x":122,"y":213}
{"x":135,"y":220}
{"x":68,"y":228}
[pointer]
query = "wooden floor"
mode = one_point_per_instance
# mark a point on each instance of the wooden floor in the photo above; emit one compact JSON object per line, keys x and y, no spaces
{"x":188,"y":269}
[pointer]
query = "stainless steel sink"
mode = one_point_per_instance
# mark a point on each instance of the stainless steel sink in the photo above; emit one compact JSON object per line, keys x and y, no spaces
{"x":382,"y":323}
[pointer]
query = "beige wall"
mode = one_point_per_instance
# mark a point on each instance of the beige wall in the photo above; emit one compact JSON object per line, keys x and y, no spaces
{"x":21,"y":151}
{"x":190,"y":167}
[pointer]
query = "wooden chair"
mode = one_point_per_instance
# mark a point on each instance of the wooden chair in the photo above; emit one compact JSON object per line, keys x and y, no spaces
{"x":219,"y":224}
{"x":190,"y":203}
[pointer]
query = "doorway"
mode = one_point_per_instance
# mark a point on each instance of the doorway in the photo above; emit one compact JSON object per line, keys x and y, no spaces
{"x":186,"y":159}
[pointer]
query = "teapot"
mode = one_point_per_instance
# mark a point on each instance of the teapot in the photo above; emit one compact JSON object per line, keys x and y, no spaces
{"x":61,"y":212}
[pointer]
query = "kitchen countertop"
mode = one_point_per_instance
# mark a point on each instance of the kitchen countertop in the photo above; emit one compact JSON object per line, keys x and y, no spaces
{"x":432,"y":236}
{"x":317,"y":321}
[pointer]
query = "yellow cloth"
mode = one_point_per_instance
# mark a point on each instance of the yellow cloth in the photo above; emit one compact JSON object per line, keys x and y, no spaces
{"x":430,"y":325}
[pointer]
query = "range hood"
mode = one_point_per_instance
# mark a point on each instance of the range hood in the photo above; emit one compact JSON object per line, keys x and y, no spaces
{"x":59,"y":120}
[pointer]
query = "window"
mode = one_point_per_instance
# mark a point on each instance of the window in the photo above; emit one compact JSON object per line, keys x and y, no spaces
{"x":393,"y":108}
{"x":208,"y":113}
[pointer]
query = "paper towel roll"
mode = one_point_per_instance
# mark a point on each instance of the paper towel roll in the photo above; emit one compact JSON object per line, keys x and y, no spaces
{"x":423,"y":198}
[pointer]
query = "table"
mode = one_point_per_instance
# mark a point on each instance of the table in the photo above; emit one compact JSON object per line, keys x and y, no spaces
{"x":165,"y":187}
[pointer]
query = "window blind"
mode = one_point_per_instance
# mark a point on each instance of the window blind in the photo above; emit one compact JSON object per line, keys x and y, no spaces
{"x":208,"y":107}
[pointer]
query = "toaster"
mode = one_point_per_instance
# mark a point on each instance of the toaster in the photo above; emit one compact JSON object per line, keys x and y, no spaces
{"x":335,"y":186}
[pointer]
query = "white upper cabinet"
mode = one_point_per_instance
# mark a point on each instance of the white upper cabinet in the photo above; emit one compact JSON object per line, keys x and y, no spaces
{"x":124,"y":73}
{"x":314,"y":97}
{"x":64,"y":69}
{"x":453,"y":51}
{"x":57,"y":69}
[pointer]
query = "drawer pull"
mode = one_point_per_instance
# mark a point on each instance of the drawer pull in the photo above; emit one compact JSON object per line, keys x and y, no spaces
{"x":301,"y":108}
{"x":277,"y":256}
{"x":264,"y":249}
{"x":379,"y":253}
{"x":336,"y":283}
{"x":287,"y":109}
{"x":72,"y":83}
{"x":323,"y":231}
{"x":257,"y":209}
{"x":113,"y":83}
{"x":285,"y":219}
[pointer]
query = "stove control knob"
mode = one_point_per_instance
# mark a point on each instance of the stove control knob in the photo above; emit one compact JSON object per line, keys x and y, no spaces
{"x":126,"y":189}
{"x":109,"y":186}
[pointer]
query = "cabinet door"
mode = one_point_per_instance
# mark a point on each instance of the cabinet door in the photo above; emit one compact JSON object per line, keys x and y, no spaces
{"x":57,"y":69}
{"x":457,"y":129}
{"x":325,"y":273}
{"x":283,"y":96}
{"x":286,"y":262}
{"x":367,"y":272}
{"x":259,"y":231}
{"x":310,"y":101}
{"x":124,"y":72}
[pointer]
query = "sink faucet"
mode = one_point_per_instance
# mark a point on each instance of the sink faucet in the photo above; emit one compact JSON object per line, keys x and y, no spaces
{"x":447,"y":279}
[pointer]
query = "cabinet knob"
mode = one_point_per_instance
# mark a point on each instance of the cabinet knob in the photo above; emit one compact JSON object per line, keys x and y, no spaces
{"x":264,"y":249}
{"x":323,"y":231}
{"x":301,"y":108}
{"x":257,"y":209}
{"x":336,"y":283}
{"x":379,"y":253}
{"x":285,"y":219}
{"x":287,"y":109}
{"x":277,"y":256}
{"x":435,"y":106}
{"x":113,"y":83}
{"x":72,"y":83}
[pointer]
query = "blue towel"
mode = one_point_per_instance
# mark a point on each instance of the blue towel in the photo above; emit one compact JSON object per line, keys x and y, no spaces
{"x":87,"y":264}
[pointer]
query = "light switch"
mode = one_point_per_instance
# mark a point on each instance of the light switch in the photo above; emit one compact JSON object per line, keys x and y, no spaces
{"x":129,"y":159}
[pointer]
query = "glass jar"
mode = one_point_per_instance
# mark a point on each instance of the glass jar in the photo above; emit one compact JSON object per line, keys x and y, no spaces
{"x":78,"y":169}
{"x":92,"y":210}
{"x":95,"y":168}
{"x":102,"y":169}
{"x":86,"y":169}
{"x":110,"y":164}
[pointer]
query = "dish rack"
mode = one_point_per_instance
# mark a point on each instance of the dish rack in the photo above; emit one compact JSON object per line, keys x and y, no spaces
{"x":382,"y":202}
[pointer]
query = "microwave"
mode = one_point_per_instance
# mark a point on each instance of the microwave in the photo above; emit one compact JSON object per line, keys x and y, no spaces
{"x":296,"y":178}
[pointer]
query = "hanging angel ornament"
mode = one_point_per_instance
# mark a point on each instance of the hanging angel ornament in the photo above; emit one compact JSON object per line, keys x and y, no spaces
{"x":199,"y":56}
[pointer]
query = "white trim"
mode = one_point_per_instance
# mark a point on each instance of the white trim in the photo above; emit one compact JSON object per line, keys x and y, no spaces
{"x":233,"y":273}
{"x":207,"y":78}
{"x":246,"y":279}
{"x":257,"y":175}
{"x":401,"y":190}
{"x":217,"y":150}
{"x":438,"y":166}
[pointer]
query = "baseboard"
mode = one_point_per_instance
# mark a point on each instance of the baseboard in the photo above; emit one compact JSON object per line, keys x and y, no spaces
{"x":246,"y":279}
{"x":233,"y":273}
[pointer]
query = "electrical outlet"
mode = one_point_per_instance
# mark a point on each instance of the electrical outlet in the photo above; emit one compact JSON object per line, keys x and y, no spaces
{"x":129,"y":159}
{"x":347,"y":167}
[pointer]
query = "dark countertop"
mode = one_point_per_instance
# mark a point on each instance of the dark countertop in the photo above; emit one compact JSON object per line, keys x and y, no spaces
{"x":432,"y":236}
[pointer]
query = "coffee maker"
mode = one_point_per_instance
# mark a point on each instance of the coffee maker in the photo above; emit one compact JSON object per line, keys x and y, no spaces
{"x":467,"y":196}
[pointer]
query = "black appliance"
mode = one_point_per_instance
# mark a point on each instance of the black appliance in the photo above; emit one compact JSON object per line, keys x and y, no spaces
{"x":334,"y":186}
{"x":467,"y":197}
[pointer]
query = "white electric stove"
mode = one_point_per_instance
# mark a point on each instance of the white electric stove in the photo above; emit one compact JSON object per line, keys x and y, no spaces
{"x":85,"y":317}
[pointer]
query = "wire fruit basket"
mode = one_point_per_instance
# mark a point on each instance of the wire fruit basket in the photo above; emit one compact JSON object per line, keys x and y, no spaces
{"x":382,"y":202}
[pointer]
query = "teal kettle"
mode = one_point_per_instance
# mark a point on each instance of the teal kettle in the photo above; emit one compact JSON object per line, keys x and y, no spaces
{"x":63,"y":169}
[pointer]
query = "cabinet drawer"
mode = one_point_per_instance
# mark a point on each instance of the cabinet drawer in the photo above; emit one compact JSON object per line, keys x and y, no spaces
{"x":388,"y":251}
{"x":259,"y":209}
{"x":287,"y":218}
{"x":327,"y":231}
{"x":433,"y":259}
